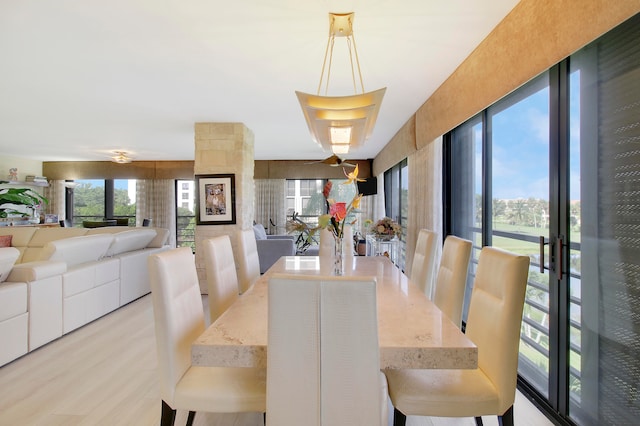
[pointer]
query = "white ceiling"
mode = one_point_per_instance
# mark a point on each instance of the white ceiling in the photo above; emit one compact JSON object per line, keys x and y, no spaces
{"x":80,"y":79}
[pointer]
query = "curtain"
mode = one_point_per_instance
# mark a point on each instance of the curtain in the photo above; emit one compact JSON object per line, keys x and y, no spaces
{"x":378,"y":211}
{"x":55,"y":194}
{"x":425,"y":197}
{"x":270,"y":205}
{"x":155,"y":199}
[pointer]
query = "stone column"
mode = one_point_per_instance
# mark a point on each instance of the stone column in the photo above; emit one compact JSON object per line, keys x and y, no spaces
{"x":225,"y":148}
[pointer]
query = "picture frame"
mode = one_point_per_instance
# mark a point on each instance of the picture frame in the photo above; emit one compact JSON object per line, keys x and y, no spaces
{"x":50,"y":218}
{"x":215,"y":199}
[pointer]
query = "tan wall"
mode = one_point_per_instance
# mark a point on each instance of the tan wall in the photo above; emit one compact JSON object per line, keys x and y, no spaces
{"x":301,"y":169}
{"x":263,"y":169}
{"x":400,"y":147}
{"x":69,"y":170}
{"x":533,"y":37}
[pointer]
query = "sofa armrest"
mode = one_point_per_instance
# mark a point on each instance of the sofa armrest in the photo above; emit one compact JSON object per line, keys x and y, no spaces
{"x":38,"y":270}
{"x":269,"y":251}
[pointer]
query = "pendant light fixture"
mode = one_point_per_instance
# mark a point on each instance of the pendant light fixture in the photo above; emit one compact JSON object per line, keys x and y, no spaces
{"x":341,"y":123}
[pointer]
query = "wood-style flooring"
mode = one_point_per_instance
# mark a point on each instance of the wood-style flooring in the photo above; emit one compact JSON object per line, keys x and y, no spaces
{"x":105,"y":374}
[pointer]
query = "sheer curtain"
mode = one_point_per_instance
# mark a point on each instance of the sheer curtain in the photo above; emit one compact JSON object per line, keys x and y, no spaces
{"x":156,"y":200}
{"x":425,"y":196}
{"x":270,"y":204}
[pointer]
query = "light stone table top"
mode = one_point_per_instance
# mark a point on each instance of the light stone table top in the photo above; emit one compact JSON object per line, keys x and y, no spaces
{"x":412,"y":331}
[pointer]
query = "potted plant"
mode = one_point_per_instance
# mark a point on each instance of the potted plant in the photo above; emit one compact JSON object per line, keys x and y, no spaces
{"x":18,"y":197}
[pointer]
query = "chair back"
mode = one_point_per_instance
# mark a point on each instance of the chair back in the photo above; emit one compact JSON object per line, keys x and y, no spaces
{"x":451,"y":279}
{"x":495,"y":317}
{"x":327,"y":243}
{"x":222,"y":280}
{"x":347,"y":241}
{"x":423,"y":266}
{"x":323,"y":365}
{"x":178,"y":314}
{"x":249,"y":262}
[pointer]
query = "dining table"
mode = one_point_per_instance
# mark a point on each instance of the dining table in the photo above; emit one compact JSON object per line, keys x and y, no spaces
{"x":412,"y":331}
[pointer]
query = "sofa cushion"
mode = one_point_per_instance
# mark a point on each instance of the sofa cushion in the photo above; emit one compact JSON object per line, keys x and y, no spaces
{"x":126,"y":241}
{"x":162,"y":236}
{"x":77,"y":250}
{"x":8,"y":256}
{"x":43,"y":236}
{"x":108,"y":230}
{"x":21,"y":234}
{"x":5,"y":241}
{"x":259,"y":231}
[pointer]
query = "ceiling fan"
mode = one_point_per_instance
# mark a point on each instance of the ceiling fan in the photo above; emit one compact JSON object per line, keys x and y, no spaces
{"x":333,"y":161}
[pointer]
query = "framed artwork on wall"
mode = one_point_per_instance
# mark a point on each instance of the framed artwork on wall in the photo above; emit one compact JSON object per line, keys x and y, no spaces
{"x":215,"y":199}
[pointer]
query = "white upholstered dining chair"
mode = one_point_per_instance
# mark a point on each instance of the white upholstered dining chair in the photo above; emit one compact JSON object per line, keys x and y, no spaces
{"x":249,"y":262}
{"x":323,"y":364}
{"x":327,"y":242}
{"x":424,"y":263}
{"x":222,"y":280}
{"x":451,"y":279}
{"x":179,"y":320}
{"x":493,"y":324}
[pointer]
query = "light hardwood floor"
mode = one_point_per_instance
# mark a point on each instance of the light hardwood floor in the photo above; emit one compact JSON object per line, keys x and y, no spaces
{"x":105,"y":374}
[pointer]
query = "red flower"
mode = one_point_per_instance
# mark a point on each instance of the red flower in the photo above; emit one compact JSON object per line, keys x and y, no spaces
{"x":338,"y":211}
{"x":327,"y":189}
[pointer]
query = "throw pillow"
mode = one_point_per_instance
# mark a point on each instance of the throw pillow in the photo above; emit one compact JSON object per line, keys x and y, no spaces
{"x":259,"y":232}
{"x":5,"y":240}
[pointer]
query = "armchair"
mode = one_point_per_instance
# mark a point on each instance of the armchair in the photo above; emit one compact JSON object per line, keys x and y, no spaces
{"x":272,"y":247}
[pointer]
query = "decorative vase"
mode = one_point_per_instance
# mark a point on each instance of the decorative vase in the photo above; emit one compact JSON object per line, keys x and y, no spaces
{"x":35,"y":218}
{"x":338,"y":256}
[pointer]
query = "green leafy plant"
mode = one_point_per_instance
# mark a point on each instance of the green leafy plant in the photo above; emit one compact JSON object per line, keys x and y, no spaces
{"x":19,"y":197}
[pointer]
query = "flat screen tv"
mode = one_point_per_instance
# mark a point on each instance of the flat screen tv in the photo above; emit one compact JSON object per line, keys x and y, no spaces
{"x":369,"y":186}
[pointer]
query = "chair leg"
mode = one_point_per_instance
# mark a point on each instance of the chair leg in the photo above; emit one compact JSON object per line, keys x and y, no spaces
{"x":192,"y":416}
{"x":264,"y":418}
{"x":168,"y":415}
{"x":478,"y":421}
{"x":507,"y":418}
{"x":399,"y":419}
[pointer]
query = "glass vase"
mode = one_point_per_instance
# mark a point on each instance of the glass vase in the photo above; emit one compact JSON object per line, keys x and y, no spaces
{"x":338,"y":256}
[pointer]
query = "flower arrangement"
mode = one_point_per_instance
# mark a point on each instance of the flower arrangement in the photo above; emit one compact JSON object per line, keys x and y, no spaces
{"x":386,"y":229}
{"x":339,"y":211}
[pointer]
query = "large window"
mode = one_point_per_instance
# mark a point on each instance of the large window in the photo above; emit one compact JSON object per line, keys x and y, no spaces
{"x":304,"y":197}
{"x":95,"y":200}
{"x":396,"y":190}
{"x":550,"y":172}
{"x":185,"y":214}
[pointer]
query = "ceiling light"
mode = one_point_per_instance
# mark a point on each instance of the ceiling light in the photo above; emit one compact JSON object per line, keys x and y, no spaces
{"x":121,"y":157}
{"x":329,"y":117}
{"x":340,"y":148}
{"x":339,"y":135}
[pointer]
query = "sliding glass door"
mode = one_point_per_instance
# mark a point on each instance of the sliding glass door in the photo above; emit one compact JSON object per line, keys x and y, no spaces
{"x":604,"y":338}
{"x":553,"y":171}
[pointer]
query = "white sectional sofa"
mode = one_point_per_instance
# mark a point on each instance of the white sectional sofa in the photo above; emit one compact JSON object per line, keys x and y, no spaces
{"x":59,"y":279}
